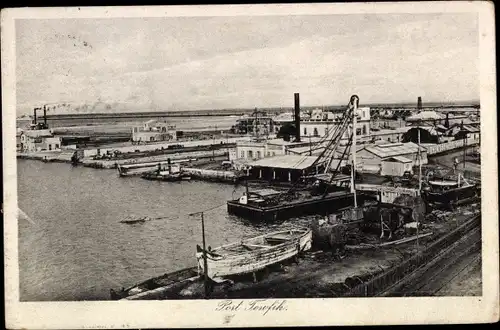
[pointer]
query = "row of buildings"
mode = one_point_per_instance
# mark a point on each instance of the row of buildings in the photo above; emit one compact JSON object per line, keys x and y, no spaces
{"x":37,"y":140}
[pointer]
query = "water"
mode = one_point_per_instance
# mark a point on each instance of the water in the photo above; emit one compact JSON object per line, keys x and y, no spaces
{"x":78,"y":250}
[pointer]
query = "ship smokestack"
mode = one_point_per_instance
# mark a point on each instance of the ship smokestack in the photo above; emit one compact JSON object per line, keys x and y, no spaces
{"x":297,"y":117}
{"x":419,"y":103}
{"x":45,"y":116}
{"x":34,"y":116}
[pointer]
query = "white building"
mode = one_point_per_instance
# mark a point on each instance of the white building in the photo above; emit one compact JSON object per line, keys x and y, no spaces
{"x":39,"y":140}
{"x":253,"y":150}
{"x":321,"y":122}
{"x":153,"y":130}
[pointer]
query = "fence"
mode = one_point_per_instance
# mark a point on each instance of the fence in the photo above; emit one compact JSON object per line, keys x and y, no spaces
{"x":443,"y":147}
{"x":381,"y":282}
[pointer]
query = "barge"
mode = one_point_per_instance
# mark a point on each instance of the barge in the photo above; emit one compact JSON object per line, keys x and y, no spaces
{"x":256,"y":207}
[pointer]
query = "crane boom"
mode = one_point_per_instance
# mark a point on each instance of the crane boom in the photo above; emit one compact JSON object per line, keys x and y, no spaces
{"x":331,"y":140}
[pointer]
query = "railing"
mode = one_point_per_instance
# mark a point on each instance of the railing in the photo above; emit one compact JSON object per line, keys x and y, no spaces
{"x":381,"y":282}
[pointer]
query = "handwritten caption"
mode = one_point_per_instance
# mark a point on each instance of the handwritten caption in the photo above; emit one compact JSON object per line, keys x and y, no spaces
{"x":263,"y":306}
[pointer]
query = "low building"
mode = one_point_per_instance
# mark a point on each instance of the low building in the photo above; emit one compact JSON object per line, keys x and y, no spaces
{"x":396,"y":166}
{"x":286,"y":168}
{"x":39,"y":140}
{"x":370,"y":157}
{"x":258,"y":149}
{"x":153,"y":131}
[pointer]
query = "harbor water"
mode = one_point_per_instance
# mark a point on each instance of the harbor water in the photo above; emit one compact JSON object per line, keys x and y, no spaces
{"x":76,"y":249}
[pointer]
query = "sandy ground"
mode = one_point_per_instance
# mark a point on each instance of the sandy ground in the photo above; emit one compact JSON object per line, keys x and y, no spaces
{"x":467,"y":282}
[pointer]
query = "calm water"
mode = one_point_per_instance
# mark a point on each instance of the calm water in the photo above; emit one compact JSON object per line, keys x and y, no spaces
{"x":77,"y":250}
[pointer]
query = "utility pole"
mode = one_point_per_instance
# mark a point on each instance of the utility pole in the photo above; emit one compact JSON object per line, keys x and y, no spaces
{"x":353,"y":153}
{"x":205,"y":264}
{"x":310,"y":146}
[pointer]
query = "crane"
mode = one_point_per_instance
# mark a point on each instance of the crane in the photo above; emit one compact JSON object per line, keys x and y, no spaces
{"x":329,"y":145}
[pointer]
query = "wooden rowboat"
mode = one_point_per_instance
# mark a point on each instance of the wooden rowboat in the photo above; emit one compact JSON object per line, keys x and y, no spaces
{"x":256,"y":253}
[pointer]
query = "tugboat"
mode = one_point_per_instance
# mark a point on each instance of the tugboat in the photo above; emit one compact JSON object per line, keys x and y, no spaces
{"x":447,"y":193}
{"x":168,"y":175}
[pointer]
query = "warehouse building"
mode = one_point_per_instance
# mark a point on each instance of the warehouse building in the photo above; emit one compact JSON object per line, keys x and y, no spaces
{"x":370,"y":157}
{"x":286,"y":168}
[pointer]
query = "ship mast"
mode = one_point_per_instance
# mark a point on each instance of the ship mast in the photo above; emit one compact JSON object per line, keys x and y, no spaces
{"x":353,"y":152}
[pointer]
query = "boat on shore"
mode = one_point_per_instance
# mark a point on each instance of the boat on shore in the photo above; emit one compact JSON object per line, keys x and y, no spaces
{"x":168,"y":282}
{"x":256,"y":253}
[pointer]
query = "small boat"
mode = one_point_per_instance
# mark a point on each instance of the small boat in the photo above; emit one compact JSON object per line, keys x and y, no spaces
{"x":163,"y":176}
{"x":449,"y":192}
{"x":135,"y":220}
{"x":256,"y":253}
{"x":170,"y":282}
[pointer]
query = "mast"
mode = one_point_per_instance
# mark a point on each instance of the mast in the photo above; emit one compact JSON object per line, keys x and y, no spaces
{"x":419,"y":164}
{"x":353,"y":152}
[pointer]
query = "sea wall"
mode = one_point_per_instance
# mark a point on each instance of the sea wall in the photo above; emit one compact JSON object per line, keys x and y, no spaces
{"x":159,"y":158}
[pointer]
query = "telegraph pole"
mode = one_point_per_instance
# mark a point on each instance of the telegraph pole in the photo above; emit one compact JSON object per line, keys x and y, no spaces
{"x":205,"y":264}
{"x":353,"y":152}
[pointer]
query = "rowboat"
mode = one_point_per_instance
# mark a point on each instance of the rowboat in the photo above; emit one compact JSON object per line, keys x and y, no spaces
{"x":164,"y":285}
{"x":129,"y":220}
{"x":256,"y":253}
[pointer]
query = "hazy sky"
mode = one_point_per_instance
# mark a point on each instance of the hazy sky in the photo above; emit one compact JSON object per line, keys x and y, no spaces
{"x":224,"y":62}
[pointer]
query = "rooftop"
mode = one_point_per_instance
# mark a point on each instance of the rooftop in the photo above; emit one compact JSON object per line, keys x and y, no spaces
{"x":425,"y":115}
{"x":400,"y":159}
{"x":393,"y":149}
{"x":295,"y":162}
{"x":38,"y":133}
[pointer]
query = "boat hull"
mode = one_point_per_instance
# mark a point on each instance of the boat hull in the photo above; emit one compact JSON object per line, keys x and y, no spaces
{"x":253,"y":261}
{"x":451,"y":196}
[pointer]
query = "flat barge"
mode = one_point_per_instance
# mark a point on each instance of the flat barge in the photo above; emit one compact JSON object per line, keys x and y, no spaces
{"x":304,"y":205}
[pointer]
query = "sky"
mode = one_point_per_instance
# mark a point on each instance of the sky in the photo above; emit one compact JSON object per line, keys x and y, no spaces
{"x":178,"y":63}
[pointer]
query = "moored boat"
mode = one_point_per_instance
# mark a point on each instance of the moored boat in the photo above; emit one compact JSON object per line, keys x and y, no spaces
{"x":165,"y":176}
{"x":135,"y":220}
{"x":256,"y":253}
{"x":449,"y":192}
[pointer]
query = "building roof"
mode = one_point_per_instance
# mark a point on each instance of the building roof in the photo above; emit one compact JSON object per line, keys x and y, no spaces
{"x":400,"y":159}
{"x":38,"y":133}
{"x":393,"y":149}
{"x":425,"y":115}
{"x":295,"y":162}
{"x":470,"y":129}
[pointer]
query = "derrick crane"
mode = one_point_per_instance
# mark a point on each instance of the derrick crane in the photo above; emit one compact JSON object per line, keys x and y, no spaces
{"x":331,"y":140}
{"x":329,"y":145}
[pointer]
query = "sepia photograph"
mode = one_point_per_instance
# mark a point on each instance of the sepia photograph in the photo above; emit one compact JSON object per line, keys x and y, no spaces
{"x":249,"y":161}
